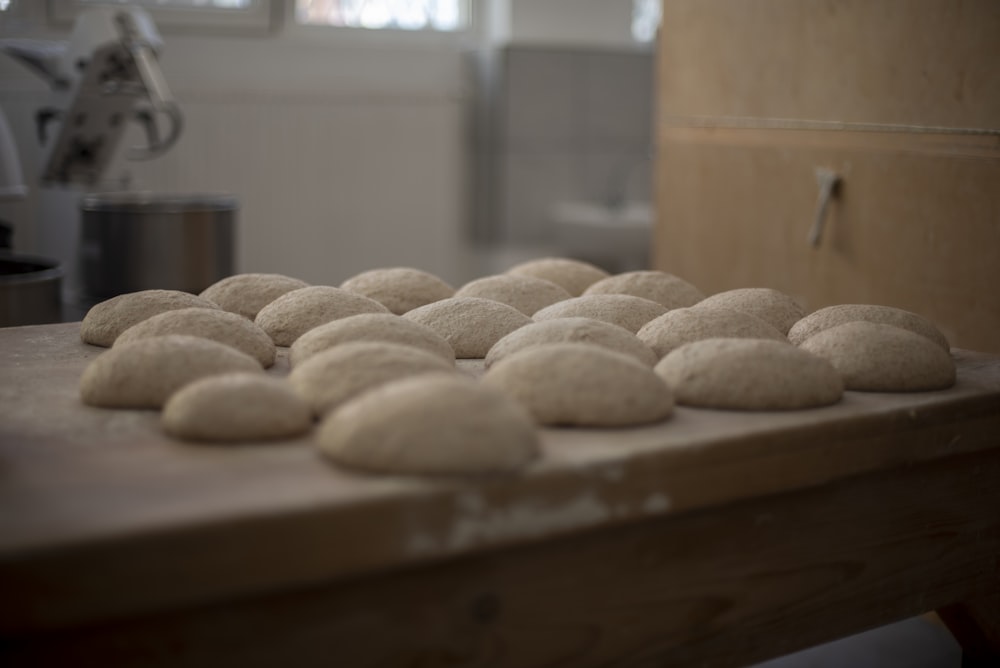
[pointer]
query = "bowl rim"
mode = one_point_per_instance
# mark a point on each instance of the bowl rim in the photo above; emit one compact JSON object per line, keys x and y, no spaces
{"x":48,"y":268}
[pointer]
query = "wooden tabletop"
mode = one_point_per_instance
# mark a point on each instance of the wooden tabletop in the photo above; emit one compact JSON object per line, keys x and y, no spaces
{"x":102,"y":516}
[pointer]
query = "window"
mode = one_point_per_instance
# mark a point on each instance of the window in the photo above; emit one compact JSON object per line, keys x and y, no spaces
{"x":204,"y":4}
{"x":645,"y":19}
{"x":439,"y":15}
{"x":216,"y":15}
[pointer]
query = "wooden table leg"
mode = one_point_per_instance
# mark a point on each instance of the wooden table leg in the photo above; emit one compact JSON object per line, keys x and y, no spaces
{"x":976,"y":626}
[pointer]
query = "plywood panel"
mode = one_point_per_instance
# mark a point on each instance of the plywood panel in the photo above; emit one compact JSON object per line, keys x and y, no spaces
{"x":916,"y":224}
{"x":921,"y":62}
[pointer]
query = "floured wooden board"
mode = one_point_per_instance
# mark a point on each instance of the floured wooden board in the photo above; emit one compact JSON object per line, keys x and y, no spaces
{"x":101,"y":515}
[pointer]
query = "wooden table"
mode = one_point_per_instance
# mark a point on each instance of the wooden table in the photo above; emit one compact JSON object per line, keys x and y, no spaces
{"x":717,"y":538}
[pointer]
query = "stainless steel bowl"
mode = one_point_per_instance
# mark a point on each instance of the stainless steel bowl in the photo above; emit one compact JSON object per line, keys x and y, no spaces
{"x":30,"y":290}
{"x":134,"y":241}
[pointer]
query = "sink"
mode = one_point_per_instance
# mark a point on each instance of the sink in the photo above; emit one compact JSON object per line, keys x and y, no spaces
{"x":618,"y":238}
{"x":594,"y":214}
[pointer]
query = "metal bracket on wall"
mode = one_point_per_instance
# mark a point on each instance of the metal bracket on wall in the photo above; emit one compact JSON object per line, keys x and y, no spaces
{"x":829,"y":186}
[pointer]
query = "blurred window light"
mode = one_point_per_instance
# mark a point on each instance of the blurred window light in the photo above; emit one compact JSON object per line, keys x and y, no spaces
{"x":440,"y":15}
{"x":645,"y":19}
{"x":224,"y":16}
{"x":180,"y":4}
{"x":4,"y":5}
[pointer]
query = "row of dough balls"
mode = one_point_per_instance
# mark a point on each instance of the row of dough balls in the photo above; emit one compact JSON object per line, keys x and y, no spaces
{"x":286,"y":307}
{"x":545,"y":365}
{"x":662,"y":310}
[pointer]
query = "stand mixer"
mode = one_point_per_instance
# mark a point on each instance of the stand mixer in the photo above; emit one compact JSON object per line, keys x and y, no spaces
{"x":106,"y":76}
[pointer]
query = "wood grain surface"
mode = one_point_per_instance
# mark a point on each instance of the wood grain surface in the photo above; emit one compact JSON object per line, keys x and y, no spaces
{"x":914,"y":225}
{"x":102,"y":517}
{"x":832,"y":60}
{"x":718,"y":587}
{"x":753,"y":98}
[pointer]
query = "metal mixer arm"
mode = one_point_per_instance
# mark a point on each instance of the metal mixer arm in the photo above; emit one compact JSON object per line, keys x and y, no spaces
{"x":106,"y":75}
{"x":155,"y":86}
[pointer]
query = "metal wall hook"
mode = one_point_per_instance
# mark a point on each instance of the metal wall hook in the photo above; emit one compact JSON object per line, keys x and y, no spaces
{"x":829,"y":185}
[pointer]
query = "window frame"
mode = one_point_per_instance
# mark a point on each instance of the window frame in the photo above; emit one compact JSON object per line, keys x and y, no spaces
{"x":274,"y":17}
{"x":264,"y":17}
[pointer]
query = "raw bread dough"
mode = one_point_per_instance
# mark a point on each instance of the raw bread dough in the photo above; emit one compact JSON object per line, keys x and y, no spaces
{"x":580,"y":384}
{"x":329,"y":378}
{"x":749,"y":374}
{"x":247,"y":294}
{"x":106,"y":320}
{"x":525,"y":293}
{"x":231,"y":329}
{"x":769,"y":305}
{"x":431,"y":424}
{"x":658,"y":286}
{"x":684,"y":325}
{"x":400,"y":289}
{"x":579,"y":330}
{"x":831,"y":316}
{"x":386,"y":327}
{"x":144,"y":373}
{"x":470,"y":324}
{"x":236,"y":407}
{"x":294,"y":313}
{"x":623,"y":310}
{"x":883,"y":358}
{"x":574,"y":276}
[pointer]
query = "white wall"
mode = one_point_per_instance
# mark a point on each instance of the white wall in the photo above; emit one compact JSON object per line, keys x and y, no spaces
{"x":344,"y":159}
{"x":347,"y":150}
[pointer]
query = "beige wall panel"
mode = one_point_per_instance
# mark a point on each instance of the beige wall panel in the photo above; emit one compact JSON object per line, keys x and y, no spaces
{"x":916,"y":224}
{"x":924,"y":62}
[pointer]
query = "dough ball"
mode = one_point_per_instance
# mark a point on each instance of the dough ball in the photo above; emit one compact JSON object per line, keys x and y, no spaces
{"x":385,"y":327}
{"x":470,"y":324}
{"x":831,"y":316}
{"x":329,"y":378}
{"x":525,"y":293}
{"x":400,"y":289}
{"x":574,"y":276}
{"x":231,"y":329}
{"x":658,"y":286}
{"x":144,"y":373}
{"x":684,"y":325}
{"x":236,"y":407}
{"x":294,"y":313}
{"x":572,"y":330}
{"x":580,"y":384}
{"x":883,"y":358}
{"x":749,"y":374}
{"x":622,"y":310}
{"x":106,"y":320}
{"x":431,"y":424}
{"x":247,"y":294}
{"x":769,"y":305}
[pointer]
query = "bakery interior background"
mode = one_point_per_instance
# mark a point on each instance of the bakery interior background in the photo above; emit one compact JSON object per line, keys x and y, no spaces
{"x":349,"y":149}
